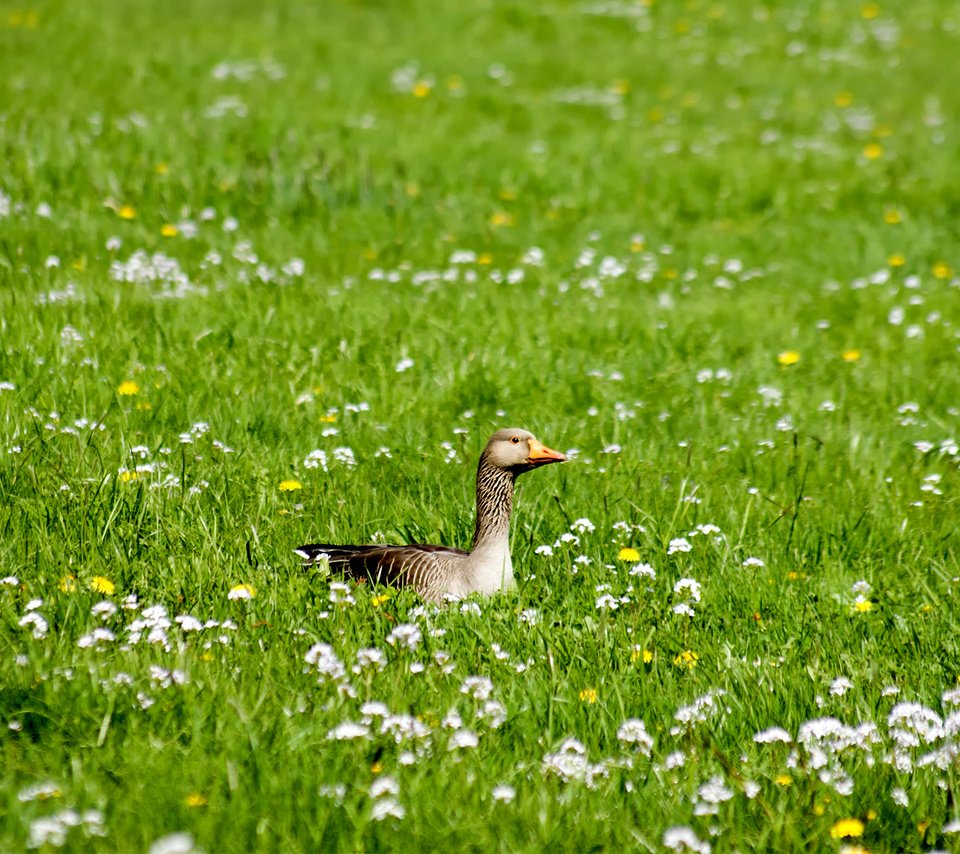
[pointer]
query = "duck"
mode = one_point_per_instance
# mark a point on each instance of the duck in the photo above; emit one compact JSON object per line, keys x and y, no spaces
{"x":439,"y":573}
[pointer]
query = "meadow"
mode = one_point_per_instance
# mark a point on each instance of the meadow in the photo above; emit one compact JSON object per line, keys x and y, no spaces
{"x":271,"y":273}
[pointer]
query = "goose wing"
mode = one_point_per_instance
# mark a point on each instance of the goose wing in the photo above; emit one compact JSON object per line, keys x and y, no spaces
{"x":428,"y":569}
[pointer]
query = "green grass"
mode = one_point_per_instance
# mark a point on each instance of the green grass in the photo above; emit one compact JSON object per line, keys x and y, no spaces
{"x":711,"y":185}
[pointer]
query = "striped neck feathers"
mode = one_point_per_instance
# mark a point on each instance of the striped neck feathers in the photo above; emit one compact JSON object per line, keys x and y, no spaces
{"x":494,"y":504}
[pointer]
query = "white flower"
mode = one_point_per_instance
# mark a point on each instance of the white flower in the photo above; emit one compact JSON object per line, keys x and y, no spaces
{"x":347,"y":731}
{"x":477,"y":687}
{"x":463,"y":739}
{"x":405,"y":636}
{"x":384,"y":786}
{"x":607,"y":603}
{"x":840,"y":686}
{"x":545,"y":550}
{"x":386,"y":808}
{"x":684,"y":839}
{"x":678,"y":544}
{"x":104,"y":609}
{"x":530,"y":616}
{"x":643,"y":570}
{"x":404,"y":364}
{"x":751,"y":562}
{"x":503,"y":793}
{"x":634,"y":731}
{"x":322,"y":657}
{"x":688,"y":587}
{"x":768,"y":736}
{"x":39,"y":625}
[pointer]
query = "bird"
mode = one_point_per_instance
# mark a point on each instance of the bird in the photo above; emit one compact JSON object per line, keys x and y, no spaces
{"x":437,"y":573}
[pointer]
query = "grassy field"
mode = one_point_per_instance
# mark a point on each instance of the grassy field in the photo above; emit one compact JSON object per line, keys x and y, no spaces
{"x":271,"y":274}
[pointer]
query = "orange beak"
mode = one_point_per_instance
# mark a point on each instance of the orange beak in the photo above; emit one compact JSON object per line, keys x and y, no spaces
{"x":541,"y":454}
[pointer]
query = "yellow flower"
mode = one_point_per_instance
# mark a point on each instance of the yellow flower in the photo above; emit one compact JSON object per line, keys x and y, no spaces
{"x":788,"y":357}
{"x":896,"y":260}
{"x":941,"y":270}
{"x":891,"y":216}
{"x":102,"y":585}
{"x":195,"y":799}
{"x":126,"y":475}
{"x":128,"y":388}
{"x":687,"y":659}
{"x":68,"y":583}
{"x":843,"y":99}
{"x":501,"y":219}
{"x":869,"y":11}
{"x":377,"y":767}
{"x":161,"y":168}
{"x":377,"y":601}
{"x":846,"y":827}
{"x":863,"y":606}
{"x":485,"y":259}
{"x":850,"y":355}
{"x":290,"y":485}
{"x":127,"y":212}
{"x":422,"y":88}
{"x":637,"y":244}
{"x":628,"y":554}
{"x":874,"y":151}
{"x":783,"y":780}
{"x":242,"y":591}
{"x":639,"y":653}
{"x":169,"y":230}
{"x":329,"y":418}
{"x":589,"y":695}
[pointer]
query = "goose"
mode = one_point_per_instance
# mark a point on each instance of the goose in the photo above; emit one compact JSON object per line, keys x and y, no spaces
{"x":439,"y":572}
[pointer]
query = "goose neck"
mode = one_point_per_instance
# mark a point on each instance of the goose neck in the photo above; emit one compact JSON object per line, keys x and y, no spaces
{"x":494,"y":505}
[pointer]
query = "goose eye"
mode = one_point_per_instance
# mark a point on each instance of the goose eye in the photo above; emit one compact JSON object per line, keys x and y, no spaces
{"x":515,"y":440}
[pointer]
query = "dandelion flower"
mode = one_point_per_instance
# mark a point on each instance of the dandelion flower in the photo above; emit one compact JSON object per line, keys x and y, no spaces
{"x":896,"y":260}
{"x":127,"y":212}
{"x":168,"y":230}
{"x":502,"y":219}
{"x":290,"y":485}
{"x":892,"y":216}
{"x":874,"y":151}
{"x":687,"y":659}
{"x":195,"y":799}
{"x":629,"y":555}
{"x":788,"y":357}
{"x":422,"y":88}
{"x":862,"y":605}
{"x":128,"y":388}
{"x":241,"y":591}
{"x":68,"y":584}
{"x":846,"y":827}
{"x":850,"y":355}
{"x":783,"y":780}
{"x":589,"y":695}
{"x":102,"y":585}
{"x":941,"y":270}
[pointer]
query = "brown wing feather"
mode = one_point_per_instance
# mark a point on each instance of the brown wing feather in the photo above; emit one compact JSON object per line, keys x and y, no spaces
{"x":414,"y":566}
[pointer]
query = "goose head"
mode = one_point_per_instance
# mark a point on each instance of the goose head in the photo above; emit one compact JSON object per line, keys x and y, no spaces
{"x":517,"y":451}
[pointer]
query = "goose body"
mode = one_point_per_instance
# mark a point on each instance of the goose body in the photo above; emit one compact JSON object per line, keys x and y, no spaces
{"x":438,"y":571}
